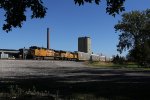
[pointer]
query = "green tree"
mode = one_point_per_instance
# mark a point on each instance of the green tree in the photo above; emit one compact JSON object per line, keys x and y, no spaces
{"x":141,"y":54}
{"x":15,"y":10}
{"x":118,"y":59}
{"x":113,"y":6}
{"x":135,"y":35}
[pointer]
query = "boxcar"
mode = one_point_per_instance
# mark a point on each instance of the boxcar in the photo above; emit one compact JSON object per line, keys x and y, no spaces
{"x":95,"y":57}
{"x":82,"y":56}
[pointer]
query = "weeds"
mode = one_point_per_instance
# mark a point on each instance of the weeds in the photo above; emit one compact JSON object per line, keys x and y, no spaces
{"x":16,"y":92}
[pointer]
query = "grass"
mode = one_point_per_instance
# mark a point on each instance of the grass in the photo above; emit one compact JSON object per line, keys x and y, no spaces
{"x":127,"y":65}
{"x":17,"y":93}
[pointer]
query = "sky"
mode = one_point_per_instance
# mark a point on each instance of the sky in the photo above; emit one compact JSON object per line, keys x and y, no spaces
{"x":67,"y":22}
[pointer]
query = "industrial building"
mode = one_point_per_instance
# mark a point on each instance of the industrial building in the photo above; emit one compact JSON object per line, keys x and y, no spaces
{"x":84,"y":44}
{"x":8,"y":53}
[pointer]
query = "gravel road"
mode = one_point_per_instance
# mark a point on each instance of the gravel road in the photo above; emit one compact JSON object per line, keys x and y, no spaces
{"x":73,"y":71}
{"x":15,"y":68}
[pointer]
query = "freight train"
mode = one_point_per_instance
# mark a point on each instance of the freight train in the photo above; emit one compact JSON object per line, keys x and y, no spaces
{"x":47,"y":54}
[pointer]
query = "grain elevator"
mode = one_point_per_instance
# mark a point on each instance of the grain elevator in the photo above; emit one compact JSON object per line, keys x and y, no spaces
{"x":84,"y":44}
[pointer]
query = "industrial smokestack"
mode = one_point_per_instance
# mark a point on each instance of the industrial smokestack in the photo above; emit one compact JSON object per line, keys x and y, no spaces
{"x":47,"y":38}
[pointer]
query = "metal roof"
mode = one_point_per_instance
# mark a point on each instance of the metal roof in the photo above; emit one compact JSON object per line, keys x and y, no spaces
{"x":9,"y":51}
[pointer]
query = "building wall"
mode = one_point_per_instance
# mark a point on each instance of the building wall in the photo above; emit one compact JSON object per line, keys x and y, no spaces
{"x":84,"y":44}
{"x":89,"y":45}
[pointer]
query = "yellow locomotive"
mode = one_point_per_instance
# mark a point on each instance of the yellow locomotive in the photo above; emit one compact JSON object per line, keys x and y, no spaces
{"x":43,"y":53}
{"x":40,"y":53}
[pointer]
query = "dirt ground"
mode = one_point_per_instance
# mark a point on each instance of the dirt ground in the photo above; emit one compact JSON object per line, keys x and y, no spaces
{"x":69,"y":77}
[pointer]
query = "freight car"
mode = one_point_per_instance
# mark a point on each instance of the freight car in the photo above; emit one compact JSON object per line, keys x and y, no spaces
{"x":82,"y":56}
{"x":95,"y":57}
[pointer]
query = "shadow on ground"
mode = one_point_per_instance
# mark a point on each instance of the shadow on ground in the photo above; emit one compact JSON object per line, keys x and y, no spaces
{"x":86,"y":84}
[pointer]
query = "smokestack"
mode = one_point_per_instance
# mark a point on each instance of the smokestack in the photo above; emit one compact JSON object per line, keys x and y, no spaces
{"x":47,"y":38}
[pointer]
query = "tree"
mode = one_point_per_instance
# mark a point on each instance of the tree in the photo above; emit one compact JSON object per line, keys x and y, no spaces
{"x":15,"y":10}
{"x":135,"y":35}
{"x":141,"y":54}
{"x":118,"y":59}
{"x":113,"y":6}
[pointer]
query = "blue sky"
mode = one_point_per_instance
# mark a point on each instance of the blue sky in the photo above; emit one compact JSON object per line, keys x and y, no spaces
{"x":67,"y":22}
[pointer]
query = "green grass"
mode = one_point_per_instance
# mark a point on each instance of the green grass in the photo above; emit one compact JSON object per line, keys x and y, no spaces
{"x":128,"y":65}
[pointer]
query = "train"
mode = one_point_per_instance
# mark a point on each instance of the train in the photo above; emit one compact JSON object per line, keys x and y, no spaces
{"x":37,"y":53}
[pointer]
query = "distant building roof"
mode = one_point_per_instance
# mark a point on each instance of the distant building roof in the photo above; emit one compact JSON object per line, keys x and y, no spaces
{"x":84,"y":37}
{"x":9,"y":50}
